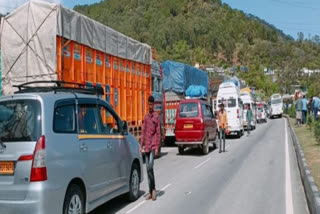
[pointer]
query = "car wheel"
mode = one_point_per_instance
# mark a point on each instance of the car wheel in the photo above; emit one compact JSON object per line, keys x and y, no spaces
{"x":238,"y":134}
{"x":205,"y":146}
{"x":74,"y":201}
{"x":134,"y":183}
{"x":181,"y":150}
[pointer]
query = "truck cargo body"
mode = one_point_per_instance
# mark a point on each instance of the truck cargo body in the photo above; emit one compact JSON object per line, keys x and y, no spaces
{"x":60,"y":44}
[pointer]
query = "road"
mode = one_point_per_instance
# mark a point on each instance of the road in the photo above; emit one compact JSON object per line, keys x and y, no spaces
{"x":257,"y":174}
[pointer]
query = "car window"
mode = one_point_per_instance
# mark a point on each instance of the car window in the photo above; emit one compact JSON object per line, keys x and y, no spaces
{"x":232,"y":102}
{"x":88,"y":119}
{"x":209,"y":111}
{"x":189,"y":110}
{"x":64,"y":119}
{"x":20,"y":120}
{"x":109,"y":122}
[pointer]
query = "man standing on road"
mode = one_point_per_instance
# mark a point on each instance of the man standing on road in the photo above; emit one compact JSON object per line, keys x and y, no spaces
{"x":223,"y":124}
{"x":249,"y":118}
{"x":150,"y":141}
{"x":304,"y":109}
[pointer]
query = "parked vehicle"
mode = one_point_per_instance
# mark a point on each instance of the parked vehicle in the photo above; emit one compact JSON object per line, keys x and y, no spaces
{"x":177,"y":77}
{"x":196,"y":125}
{"x":247,"y":100}
{"x":85,"y":53}
{"x":276,"y":108}
{"x":261,"y":115}
{"x":58,"y":152}
{"x":229,"y":95}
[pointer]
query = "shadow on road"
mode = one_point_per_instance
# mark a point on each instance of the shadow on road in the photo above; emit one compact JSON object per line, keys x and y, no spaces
{"x":196,"y":151}
{"x":114,"y":205}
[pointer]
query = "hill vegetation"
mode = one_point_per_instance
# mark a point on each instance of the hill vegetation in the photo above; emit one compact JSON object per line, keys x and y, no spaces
{"x":209,"y":32}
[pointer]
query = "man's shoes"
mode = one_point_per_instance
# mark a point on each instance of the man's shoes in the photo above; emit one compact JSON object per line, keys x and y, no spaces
{"x":154,"y":195}
{"x":224,"y":150}
{"x":220,"y":151}
{"x":148,"y":197}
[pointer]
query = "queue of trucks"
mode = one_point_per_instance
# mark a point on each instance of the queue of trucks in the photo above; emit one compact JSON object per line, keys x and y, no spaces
{"x":61,"y":44}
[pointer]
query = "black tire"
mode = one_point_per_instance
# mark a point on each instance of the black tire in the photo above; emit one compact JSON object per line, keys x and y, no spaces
{"x":205,"y":146}
{"x":74,"y":197}
{"x":238,"y":134}
{"x":280,"y":115}
{"x":134,"y":183}
{"x":181,"y":150}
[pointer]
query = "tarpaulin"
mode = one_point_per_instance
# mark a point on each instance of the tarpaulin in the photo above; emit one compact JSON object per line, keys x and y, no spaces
{"x":196,"y":91}
{"x":178,"y":77}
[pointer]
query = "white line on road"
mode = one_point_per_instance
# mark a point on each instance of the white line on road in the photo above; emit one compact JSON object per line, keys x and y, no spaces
{"x":202,"y":163}
{"x":289,"y":203}
{"x":144,"y":201}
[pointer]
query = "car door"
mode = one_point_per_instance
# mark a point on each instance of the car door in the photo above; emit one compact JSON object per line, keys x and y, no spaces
{"x":93,"y":147}
{"x":119,"y":155}
{"x":206,"y":119}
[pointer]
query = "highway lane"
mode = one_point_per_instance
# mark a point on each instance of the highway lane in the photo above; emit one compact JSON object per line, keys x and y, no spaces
{"x":251,"y":177}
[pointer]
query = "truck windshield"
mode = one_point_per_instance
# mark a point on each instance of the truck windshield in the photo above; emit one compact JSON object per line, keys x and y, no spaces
{"x":189,"y":110}
{"x":20,"y":120}
{"x":277,"y":101}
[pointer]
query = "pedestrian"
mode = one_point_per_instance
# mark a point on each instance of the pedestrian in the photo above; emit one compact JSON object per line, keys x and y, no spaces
{"x":304,"y":109}
{"x":316,"y":103}
{"x":249,"y":118}
{"x":223,"y":125}
{"x":299,"y":105}
{"x":150,"y":141}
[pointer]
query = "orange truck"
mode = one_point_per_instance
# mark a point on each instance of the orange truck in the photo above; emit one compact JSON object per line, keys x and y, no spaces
{"x":45,"y":41}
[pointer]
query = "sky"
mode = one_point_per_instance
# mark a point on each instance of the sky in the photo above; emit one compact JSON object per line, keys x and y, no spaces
{"x":290,"y":16}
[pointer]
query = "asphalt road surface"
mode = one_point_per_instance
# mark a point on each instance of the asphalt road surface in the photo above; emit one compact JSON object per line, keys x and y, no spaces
{"x":258,"y":174}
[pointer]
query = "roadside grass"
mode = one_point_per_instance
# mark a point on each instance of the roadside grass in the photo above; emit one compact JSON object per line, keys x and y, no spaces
{"x":311,"y":149}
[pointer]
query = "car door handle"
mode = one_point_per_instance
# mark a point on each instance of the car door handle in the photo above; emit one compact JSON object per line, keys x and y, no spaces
{"x":83,"y":148}
{"x":109,"y":146}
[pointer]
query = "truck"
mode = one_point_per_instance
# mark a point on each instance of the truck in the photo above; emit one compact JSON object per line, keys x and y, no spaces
{"x":61,"y":44}
{"x":276,"y":106}
{"x":177,"y":77}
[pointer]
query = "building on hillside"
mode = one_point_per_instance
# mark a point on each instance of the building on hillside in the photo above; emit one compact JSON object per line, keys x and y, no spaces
{"x":306,"y":71}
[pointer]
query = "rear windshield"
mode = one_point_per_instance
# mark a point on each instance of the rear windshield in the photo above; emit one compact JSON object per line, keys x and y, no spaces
{"x":229,"y":103}
{"x":20,"y":120}
{"x":276,"y":101}
{"x":189,"y":110}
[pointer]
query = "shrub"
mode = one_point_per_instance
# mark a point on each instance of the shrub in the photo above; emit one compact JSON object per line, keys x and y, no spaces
{"x":309,"y":121}
{"x":292,"y":111}
{"x":317,"y":130}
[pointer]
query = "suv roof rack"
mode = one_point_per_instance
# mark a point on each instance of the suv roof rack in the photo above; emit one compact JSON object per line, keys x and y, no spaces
{"x":59,"y":86}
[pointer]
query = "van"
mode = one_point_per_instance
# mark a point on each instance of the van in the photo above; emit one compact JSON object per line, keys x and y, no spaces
{"x":196,"y":125}
{"x":276,"y":108}
{"x":247,"y":100}
{"x":64,"y":149}
{"x":229,"y":95}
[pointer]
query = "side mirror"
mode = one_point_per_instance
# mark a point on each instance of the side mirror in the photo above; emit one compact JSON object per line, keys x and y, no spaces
{"x":125,"y":127}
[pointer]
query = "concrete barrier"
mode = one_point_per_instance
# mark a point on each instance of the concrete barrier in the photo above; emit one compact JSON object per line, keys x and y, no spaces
{"x":311,"y":190}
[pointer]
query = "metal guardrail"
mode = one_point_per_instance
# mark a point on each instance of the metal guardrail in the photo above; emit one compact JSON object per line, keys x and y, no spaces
{"x":311,"y":190}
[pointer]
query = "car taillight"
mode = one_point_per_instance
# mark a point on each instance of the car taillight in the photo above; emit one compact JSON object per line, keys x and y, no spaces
{"x":238,"y":113}
{"x":39,"y":167}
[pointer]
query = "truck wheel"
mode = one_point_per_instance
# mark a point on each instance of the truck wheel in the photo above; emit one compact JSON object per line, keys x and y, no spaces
{"x":181,"y":150}
{"x":205,"y":147}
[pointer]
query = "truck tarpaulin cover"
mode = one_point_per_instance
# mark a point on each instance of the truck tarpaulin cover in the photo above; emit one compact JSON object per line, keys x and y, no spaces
{"x":28,"y":41}
{"x":196,"y":91}
{"x":178,"y":77}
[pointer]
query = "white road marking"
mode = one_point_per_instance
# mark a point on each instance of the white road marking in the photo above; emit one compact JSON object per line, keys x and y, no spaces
{"x":289,"y":203}
{"x":202,"y":163}
{"x":144,"y":201}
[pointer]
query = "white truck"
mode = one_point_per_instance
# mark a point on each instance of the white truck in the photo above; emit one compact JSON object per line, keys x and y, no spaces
{"x":276,"y":108}
{"x":229,"y":95}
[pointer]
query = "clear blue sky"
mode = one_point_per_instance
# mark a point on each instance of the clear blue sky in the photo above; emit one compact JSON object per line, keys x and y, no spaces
{"x":290,"y":16}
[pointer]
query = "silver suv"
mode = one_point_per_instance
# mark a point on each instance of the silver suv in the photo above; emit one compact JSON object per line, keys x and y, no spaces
{"x":64,"y":152}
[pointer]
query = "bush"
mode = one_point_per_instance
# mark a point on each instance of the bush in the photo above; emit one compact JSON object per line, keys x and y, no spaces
{"x":310,"y":121}
{"x":317,"y":130}
{"x":292,"y":111}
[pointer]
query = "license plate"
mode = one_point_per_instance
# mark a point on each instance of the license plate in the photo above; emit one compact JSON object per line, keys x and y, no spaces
{"x":7,"y":168}
{"x":188,"y":126}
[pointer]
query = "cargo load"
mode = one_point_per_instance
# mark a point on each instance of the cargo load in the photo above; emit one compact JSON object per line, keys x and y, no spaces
{"x":45,"y":41}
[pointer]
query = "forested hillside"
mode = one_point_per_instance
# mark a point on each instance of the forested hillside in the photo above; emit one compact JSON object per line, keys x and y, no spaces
{"x":210,"y":32}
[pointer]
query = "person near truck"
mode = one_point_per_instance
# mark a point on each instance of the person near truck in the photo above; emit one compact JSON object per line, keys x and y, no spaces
{"x":150,"y":141}
{"x":223,"y":124}
{"x":249,"y":118}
